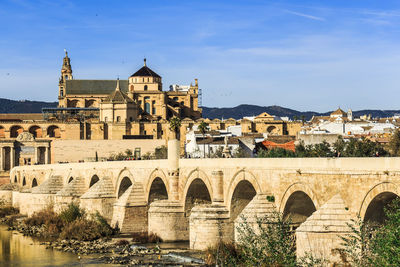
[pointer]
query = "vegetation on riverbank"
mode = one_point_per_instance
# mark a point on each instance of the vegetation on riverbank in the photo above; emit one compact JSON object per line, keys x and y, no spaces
{"x":269,"y":241}
{"x":374,"y":245}
{"x":71,"y":223}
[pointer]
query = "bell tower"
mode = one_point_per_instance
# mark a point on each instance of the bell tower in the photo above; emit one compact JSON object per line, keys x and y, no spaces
{"x":66,"y":74}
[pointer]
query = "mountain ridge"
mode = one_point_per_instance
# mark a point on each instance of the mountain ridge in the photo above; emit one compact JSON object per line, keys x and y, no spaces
{"x":238,"y":112}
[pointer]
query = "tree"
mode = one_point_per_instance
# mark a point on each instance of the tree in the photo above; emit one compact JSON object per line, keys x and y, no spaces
{"x":174,"y":125}
{"x":203,"y":129}
{"x":377,"y":245}
{"x":394,"y":144}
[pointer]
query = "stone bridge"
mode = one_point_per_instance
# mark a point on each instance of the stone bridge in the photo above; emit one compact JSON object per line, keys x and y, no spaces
{"x":201,"y":200}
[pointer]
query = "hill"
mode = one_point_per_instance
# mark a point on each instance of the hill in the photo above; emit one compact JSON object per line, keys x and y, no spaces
{"x":24,"y":106}
{"x":253,"y":110}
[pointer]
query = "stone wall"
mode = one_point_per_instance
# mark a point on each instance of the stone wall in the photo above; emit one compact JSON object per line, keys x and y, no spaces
{"x":76,"y":150}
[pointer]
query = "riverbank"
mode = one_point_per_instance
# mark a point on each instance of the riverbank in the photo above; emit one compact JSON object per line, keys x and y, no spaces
{"x":110,"y":250}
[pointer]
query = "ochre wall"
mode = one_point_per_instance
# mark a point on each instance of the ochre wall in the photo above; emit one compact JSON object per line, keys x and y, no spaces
{"x":75,"y":150}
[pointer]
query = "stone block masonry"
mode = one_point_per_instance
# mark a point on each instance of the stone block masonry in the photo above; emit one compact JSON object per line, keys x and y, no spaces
{"x":165,"y":196}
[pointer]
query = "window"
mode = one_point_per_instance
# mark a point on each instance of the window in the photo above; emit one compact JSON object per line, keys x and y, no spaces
{"x":153,"y":108}
{"x":61,"y":92}
{"x":130,"y":119}
{"x":145,"y":87}
{"x":118,"y":118}
{"x":147,"y":107}
{"x":66,"y":77}
{"x":105,"y":119}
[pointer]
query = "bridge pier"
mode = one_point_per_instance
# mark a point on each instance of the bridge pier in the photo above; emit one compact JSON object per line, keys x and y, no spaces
{"x":262,"y":205}
{"x":167,"y":220}
{"x":209,"y":224}
{"x":69,"y":193}
{"x":130,"y":211}
{"x":100,"y":197}
{"x":40,"y":197}
{"x":320,"y":234}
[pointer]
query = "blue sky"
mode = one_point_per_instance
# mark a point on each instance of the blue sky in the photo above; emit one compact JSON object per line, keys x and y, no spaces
{"x":305,"y":55}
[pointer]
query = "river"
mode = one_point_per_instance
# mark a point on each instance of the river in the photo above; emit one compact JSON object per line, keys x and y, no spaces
{"x":19,"y":250}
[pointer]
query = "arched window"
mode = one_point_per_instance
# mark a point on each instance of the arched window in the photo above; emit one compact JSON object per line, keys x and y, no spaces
{"x":145,"y":87}
{"x":118,"y":118}
{"x":2,"y":132}
{"x":147,"y":107}
{"x":54,"y":132}
{"x":36,"y":131}
{"x":15,"y":131}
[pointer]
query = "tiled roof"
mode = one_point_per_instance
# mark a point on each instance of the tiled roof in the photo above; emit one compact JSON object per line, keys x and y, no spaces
{"x":118,"y":96}
{"x":94,"y":87}
{"x":339,"y":112}
{"x":145,"y":71}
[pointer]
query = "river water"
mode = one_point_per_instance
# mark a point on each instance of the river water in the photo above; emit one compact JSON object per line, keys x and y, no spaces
{"x":19,"y":250}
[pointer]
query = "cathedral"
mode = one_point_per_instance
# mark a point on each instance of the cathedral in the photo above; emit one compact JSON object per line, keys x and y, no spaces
{"x":139,"y":98}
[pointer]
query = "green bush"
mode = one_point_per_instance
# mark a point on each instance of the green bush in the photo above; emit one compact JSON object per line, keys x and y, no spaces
{"x":374,"y":245}
{"x":81,"y":229}
{"x":72,"y":213}
{"x":71,"y":223}
{"x":8,"y":210}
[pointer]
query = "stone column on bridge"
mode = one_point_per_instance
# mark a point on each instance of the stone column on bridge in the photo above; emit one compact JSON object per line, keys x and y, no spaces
{"x":218,"y":186}
{"x":167,"y":217}
{"x":320,"y":234}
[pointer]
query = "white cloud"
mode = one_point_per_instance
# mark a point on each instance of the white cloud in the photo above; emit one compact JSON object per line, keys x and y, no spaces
{"x":304,"y":15}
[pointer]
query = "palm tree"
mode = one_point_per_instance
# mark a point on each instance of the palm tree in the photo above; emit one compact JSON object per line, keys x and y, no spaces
{"x":175,"y":125}
{"x":203,"y":129}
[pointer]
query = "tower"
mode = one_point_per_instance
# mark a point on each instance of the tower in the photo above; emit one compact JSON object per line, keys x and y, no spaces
{"x":350,"y":115}
{"x":66,"y":74}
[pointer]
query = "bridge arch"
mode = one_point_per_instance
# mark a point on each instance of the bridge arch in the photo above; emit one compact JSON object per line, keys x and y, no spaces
{"x":298,"y":203}
{"x":126,"y":177}
{"x":34,"y":183}
{"x":193,"y":175}
{"x":157,"y":186}
{"x":243,"y":187}
{"x":372,"y":206}
{"x":94,"y":180}
{"x":198,"y":190}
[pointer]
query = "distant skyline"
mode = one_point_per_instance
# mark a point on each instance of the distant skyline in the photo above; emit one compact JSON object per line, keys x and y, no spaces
{"x":303,"y":55}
